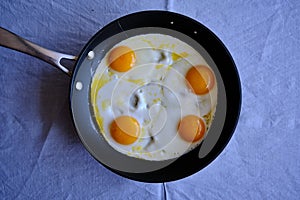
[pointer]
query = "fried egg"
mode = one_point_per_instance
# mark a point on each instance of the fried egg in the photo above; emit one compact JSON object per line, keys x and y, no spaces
{"x":153,"y":97}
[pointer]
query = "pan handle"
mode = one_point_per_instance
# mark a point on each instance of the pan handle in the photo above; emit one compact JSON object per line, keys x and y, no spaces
{"x":15,"y":42}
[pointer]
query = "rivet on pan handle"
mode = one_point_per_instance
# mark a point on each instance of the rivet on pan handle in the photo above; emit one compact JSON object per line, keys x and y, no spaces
{"x":15,"y":42}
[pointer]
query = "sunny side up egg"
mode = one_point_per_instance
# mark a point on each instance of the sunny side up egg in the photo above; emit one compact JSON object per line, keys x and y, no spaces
{"x":153,"y":97}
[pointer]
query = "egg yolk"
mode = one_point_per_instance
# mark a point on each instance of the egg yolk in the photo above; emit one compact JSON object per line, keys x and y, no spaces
{"x":121,"y":58}
{"x":125,"y":130}
{"x":191,"y":128}
{"x":200,"y":79}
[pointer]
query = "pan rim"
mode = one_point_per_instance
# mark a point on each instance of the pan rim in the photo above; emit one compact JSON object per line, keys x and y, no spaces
{"x":233,"y":120}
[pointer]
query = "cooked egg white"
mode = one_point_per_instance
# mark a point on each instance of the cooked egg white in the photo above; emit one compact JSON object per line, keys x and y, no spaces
{"x":140,"y":88}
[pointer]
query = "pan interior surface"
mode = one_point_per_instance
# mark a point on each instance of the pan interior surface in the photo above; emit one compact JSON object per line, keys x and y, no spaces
{"x":169,"y":24}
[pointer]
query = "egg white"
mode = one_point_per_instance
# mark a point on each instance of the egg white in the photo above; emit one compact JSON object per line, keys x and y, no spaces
{"x":154,"y":92}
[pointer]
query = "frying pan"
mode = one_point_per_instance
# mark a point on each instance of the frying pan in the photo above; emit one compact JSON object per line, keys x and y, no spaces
{"x":182,"y":27}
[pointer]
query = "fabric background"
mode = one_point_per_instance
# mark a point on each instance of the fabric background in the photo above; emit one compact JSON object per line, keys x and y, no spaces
{"x":41,"y":157}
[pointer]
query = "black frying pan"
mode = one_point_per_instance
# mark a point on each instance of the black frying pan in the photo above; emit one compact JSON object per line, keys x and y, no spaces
{"x":176,"y":25}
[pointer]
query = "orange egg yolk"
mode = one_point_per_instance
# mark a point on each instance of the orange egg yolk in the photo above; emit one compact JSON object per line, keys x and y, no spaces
{"x":200,"y":79}
{"x":191,"y":128}
{"x":121,"y":59}
{"x":125,"y":130}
